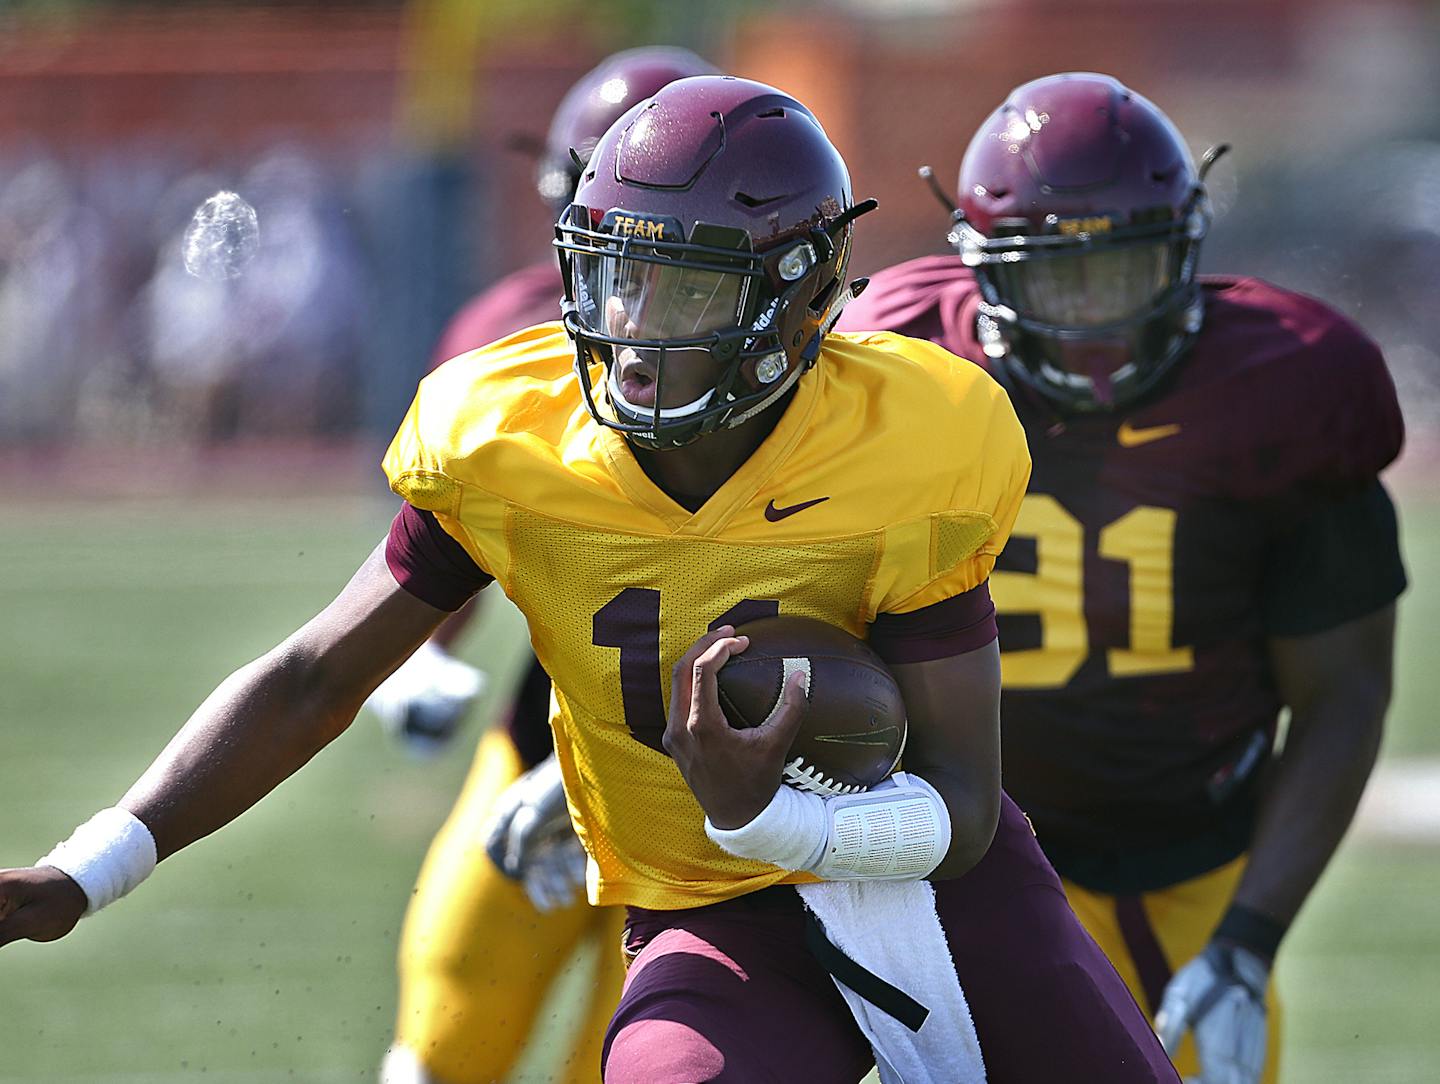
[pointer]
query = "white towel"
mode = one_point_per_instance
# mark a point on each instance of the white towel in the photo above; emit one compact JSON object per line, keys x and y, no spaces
{"x":891,"y":928}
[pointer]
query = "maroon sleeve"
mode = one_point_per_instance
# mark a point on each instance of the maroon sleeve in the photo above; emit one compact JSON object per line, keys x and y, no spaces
{"x":1380,"y":432}
{"x":430,"y":564}
{"x":959,"y":624}
{"x":1356,"y":425}
{"x":1297,"y":398}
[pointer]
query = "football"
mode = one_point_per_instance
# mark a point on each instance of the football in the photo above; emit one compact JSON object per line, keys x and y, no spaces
{"x":854,"y":727}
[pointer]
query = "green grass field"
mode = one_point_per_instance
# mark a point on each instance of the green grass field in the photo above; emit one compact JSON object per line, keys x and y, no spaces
{"x":266,"y":954}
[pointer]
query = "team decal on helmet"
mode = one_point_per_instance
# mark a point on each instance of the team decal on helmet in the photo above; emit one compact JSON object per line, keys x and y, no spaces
{"x":714,"y":217}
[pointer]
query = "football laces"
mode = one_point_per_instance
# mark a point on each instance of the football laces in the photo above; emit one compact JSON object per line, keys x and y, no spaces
{"x":807,"y":777}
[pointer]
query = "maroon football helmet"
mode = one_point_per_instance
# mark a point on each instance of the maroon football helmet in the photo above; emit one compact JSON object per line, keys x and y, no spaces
{"x":712,"y":219}
{"x":1082,"y":213}
{"x":597,"y":101}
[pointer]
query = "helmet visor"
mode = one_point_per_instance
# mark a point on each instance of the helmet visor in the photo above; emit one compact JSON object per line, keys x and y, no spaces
{"x":1089,"y":289}
{"x":654,"y":300}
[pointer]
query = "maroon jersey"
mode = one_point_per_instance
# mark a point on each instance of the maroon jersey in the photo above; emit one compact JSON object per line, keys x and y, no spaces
{"x":1155,"y":554}
{"x":522,"y":299}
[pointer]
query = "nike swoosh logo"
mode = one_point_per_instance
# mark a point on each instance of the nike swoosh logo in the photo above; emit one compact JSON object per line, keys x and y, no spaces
{"x":775,"y":515}
{"x":884,"y":736}
{"x":1130,"y":437}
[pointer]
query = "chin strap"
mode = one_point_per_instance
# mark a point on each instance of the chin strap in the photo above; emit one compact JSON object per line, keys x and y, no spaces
{"x":785,"y":384}
{"x":928,"y":176}
{"x":847,"y":295}
{"x":1213,"y":155}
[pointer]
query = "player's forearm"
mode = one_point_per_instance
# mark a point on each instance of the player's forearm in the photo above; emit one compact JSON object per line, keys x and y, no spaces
{"x":954,"y":745}
{"x":1310,"y":800}
{"x":974,"y":814}
{"x":256,"y":729}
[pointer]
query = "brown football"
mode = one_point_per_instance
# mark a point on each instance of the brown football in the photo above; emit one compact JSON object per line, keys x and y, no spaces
{"x":854,"y":727}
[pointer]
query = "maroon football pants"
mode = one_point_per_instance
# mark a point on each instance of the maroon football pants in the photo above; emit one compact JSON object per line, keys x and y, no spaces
{"x":730,"y":993}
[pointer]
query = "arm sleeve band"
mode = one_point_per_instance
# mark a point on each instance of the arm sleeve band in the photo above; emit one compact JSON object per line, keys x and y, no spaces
{"x":107,"y":856}
{"x":428,"y":563}
{"x":959,"y":624}
{"x":1250,"y":929}
{"x":1341,"y":562}
{"x":899,"y":830}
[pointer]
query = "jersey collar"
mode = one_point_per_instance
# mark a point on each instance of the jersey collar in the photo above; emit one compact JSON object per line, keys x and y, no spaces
{"x":740,"y":489}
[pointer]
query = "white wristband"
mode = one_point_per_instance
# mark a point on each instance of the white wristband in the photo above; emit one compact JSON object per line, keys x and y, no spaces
{"x":898,"y":830}
{"x":790,"y":832}
{"x":106,"y":856}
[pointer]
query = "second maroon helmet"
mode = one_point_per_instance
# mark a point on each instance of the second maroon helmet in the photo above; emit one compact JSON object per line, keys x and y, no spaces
{"x":1082,"y":212}
{"x":704,"y":258}
{"x":596,"y":101}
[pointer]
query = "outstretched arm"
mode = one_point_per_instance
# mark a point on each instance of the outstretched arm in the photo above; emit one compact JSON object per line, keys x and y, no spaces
{"x":268,"y":718}
{"x":257,"y":728}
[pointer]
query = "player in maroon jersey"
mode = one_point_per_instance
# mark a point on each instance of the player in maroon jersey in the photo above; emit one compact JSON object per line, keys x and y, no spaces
{"x":470,"y":985}
{"x":1205,"y":543}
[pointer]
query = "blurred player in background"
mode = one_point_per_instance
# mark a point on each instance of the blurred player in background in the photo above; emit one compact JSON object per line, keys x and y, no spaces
{"x":1205,"y":543}
{"x":479,"y":951}
{"x":691,"y":450}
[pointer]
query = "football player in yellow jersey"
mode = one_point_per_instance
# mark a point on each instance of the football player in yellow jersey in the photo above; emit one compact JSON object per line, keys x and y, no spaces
{"x":703,"y":454}
{"x":471,"y":985}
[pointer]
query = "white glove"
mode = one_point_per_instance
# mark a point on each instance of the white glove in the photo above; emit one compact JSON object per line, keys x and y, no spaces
{"x":422,"y":703}
{"x":531,"y":840}
{"x":553,"y":874}
{"x":1220,"y":996}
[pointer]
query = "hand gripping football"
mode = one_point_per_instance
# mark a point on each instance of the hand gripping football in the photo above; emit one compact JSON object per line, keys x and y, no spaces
{"x":853,"y":731}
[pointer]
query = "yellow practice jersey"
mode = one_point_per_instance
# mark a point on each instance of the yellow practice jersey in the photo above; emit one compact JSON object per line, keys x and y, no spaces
{"x":890,"y":483}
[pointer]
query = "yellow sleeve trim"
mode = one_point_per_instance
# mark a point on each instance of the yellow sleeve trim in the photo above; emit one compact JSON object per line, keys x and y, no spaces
{"x":430,"y":491}
{"x":936,"y":556}
{"x":956,"y":537}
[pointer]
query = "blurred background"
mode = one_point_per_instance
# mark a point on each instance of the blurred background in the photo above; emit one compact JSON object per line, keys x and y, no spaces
{"x":188,"y":465}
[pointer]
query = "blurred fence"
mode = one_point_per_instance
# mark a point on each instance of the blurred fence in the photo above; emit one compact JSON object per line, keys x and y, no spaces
{"x":373,"y":141}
